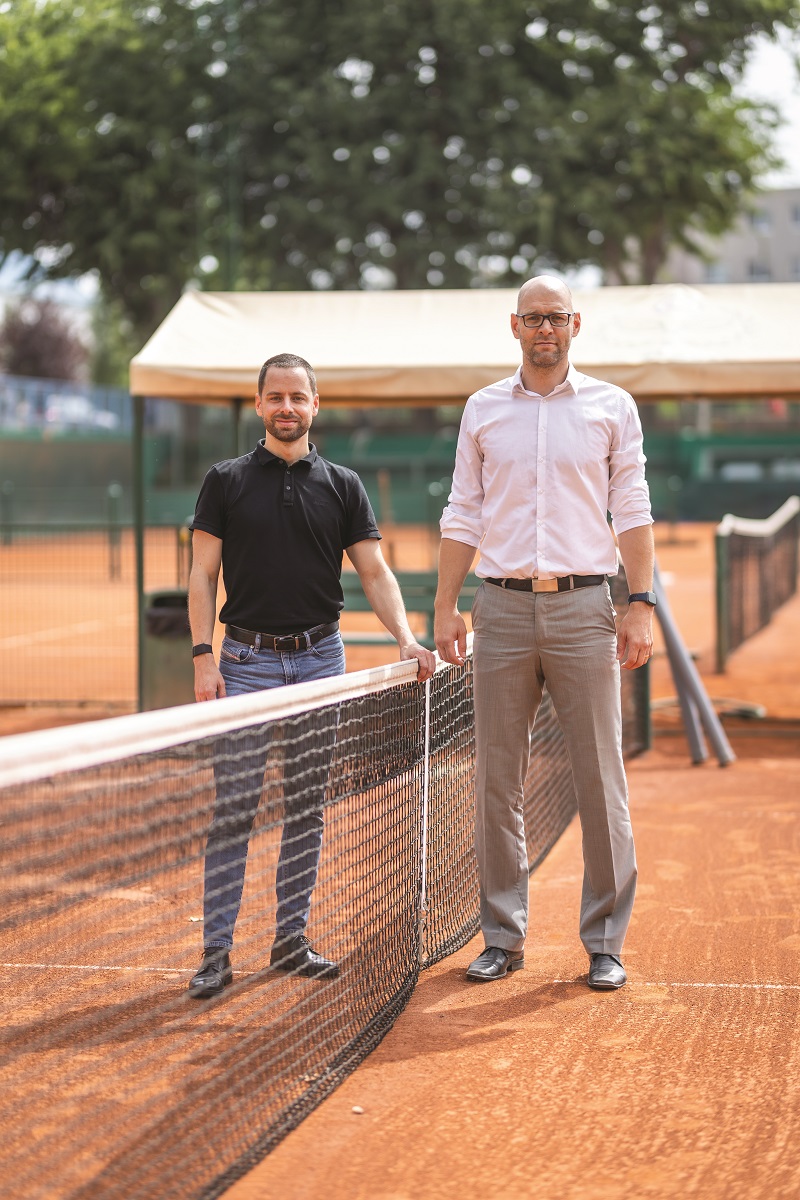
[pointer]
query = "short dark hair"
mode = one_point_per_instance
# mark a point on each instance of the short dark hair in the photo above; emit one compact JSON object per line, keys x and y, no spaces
{"x":287,"y":362}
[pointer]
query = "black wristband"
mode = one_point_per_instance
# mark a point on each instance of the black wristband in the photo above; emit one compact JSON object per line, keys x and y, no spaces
{"x":202,"y":648}
{"x":644,"y":597}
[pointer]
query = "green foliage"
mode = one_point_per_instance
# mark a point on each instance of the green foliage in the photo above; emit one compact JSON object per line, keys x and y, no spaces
{"x":248,"y":143}
{"x":114,"y":343}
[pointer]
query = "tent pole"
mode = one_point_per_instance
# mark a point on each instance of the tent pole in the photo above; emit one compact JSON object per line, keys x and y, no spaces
{"x":236,"y":426}
{"x":138,"y":538}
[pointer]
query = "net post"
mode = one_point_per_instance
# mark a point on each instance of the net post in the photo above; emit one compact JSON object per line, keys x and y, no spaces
{"x":426,"y":782}
{"x":722,"y":562}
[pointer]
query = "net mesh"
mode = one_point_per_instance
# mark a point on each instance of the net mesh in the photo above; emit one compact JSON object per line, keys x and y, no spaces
{"x":757,"y":569}
{"x":134,"y":1090}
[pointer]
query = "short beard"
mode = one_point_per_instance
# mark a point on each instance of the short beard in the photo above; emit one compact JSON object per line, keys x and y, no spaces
{"x":287,"y":435}
{"x":545,"y":358}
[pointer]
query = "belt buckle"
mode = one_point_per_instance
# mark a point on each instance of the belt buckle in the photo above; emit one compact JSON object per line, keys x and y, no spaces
{"x":287,"y":642}
{"x":544,"y":585}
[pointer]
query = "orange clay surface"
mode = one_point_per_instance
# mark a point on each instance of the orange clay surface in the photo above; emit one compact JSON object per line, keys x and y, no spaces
{"x":686,"y":1083}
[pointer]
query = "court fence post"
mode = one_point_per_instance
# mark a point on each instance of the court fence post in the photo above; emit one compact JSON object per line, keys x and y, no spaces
{"x":721,"y":546}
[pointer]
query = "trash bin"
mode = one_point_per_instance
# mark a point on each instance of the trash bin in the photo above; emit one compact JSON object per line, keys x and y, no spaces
{"x":168,"y":672}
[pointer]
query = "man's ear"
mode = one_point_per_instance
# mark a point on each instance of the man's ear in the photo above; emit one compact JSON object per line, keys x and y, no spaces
{"x":576,"y":324}
{"x":515,"y":325}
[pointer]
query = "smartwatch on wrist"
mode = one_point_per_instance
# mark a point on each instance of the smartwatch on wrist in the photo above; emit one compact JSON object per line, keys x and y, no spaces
{"x":644,"y":597}
{"x":202,"y":648}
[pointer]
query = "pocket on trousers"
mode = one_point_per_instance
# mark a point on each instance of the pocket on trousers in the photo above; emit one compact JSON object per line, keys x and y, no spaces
{"x":235,"y":652}
{"x":329,"y":650}
{"x":476,"y":603}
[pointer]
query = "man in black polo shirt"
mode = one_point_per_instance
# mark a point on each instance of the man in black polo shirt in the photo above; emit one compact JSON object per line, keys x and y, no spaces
{"x":277,"y":522}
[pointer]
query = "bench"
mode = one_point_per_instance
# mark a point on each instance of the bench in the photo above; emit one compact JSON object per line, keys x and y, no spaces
{"x":419,"y":592}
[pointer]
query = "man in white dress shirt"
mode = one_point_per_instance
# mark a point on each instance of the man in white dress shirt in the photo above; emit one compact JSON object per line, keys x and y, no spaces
{"x":542,"y":458}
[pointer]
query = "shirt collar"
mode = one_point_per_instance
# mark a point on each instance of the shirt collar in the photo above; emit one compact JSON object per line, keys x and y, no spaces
{"x":267,"y":459}
{"x":572,"y":382}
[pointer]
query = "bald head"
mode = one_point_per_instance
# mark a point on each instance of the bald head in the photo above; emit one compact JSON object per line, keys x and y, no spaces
{"x":543,"y":289}
{"x":545,"y":324}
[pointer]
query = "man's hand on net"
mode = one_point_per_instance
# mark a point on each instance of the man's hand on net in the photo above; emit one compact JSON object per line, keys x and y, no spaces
{"x":425,"y":658}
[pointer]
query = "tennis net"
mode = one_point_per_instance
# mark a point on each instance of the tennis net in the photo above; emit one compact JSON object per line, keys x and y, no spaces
{"x":133,"y":1090}
{"x":756,"y":572}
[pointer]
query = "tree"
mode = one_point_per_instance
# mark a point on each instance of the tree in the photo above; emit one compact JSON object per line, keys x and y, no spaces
{"x":36,"y":341}
{"x":473,"y":144}
{"x":98,"y":171}
{"x":246,"y":143}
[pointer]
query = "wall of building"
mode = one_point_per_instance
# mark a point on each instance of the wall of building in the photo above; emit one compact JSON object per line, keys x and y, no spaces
{"x":763,"y":247}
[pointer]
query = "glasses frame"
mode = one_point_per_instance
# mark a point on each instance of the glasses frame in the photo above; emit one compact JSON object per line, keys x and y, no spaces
{"x":540,"y":318}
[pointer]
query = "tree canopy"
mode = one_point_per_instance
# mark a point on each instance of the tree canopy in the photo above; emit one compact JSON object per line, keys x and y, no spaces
{"x":248,"y":143}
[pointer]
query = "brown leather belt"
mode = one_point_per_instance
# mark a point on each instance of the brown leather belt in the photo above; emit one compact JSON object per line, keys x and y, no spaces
{"x":282,"y":642}
{"x":566,"y":583}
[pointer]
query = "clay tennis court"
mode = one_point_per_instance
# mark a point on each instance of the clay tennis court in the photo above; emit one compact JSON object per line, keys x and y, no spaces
{"x":68,"y":646}
{"x":686,"y":1082}
{"x":683,"y":1083}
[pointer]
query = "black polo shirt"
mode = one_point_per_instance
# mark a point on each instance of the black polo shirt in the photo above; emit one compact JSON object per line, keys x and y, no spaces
{"x":284,"y":529}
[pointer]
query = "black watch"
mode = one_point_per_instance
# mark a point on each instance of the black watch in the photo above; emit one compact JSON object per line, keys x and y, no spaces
{"x":202,"y":648}
{"x":645,"y":597}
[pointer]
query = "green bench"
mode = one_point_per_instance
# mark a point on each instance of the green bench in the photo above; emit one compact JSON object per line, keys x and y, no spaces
{"x":419,"y":592}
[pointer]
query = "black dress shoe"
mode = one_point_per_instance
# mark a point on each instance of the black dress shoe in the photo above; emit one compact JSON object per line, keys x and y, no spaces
{"x":494,"y":963}
{"x":293,"y":953}
{"x":214,"y":975}
{"x":606,"y":973}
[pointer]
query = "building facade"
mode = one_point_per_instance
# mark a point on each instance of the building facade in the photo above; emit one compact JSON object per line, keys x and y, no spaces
{"x":762,"y":247}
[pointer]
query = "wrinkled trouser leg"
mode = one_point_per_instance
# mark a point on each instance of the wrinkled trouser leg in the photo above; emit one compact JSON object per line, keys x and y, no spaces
{"x":568,"y":641}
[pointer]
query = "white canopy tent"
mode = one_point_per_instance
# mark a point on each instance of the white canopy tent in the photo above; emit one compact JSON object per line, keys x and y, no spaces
{"x":435,"y":347}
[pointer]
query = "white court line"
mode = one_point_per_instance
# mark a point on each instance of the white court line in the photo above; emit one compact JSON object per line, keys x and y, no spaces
{"x":766,"y":987}
{"x":56,"y":632}
{"x":92,"y":967}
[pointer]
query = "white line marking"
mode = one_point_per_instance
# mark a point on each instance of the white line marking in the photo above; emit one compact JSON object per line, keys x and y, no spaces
{"x":765,"y":987}
{"x":56,"y":632}
{"x":90,"y":967}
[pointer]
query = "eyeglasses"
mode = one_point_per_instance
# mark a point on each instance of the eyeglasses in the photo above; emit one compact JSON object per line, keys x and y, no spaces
{"x":534,"y":320}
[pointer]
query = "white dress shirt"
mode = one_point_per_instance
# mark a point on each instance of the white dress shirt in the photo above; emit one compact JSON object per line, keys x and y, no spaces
{"x":535,"y":477}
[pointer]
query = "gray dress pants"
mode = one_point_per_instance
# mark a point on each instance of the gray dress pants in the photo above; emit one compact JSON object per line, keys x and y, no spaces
{"x":567,"y":640}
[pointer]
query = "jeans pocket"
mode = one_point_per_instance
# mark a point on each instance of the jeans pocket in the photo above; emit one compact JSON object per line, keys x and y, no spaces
{"x":235,"y":652}
{"x":330,"y":650}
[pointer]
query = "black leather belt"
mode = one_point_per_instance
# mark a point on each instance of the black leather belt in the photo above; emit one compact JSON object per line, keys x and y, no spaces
{"x":566,"y":583}
{"x":282,"y":642}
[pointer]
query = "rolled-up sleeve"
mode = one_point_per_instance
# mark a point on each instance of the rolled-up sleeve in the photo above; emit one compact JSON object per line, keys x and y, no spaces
{"x":462,"y":519}
{"x":628,"y":493}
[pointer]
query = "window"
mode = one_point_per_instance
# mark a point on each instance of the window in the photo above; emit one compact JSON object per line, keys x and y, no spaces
{"x":758,"y":272}
{"x":716,"y":272}
{"x":760,"y":221}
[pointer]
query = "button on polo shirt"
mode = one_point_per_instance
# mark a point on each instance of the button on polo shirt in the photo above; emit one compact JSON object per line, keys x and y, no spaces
{"x":284,"y":529}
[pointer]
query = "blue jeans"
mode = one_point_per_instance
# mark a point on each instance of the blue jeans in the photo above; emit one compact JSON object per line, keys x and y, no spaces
{"x":239,"y":774}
